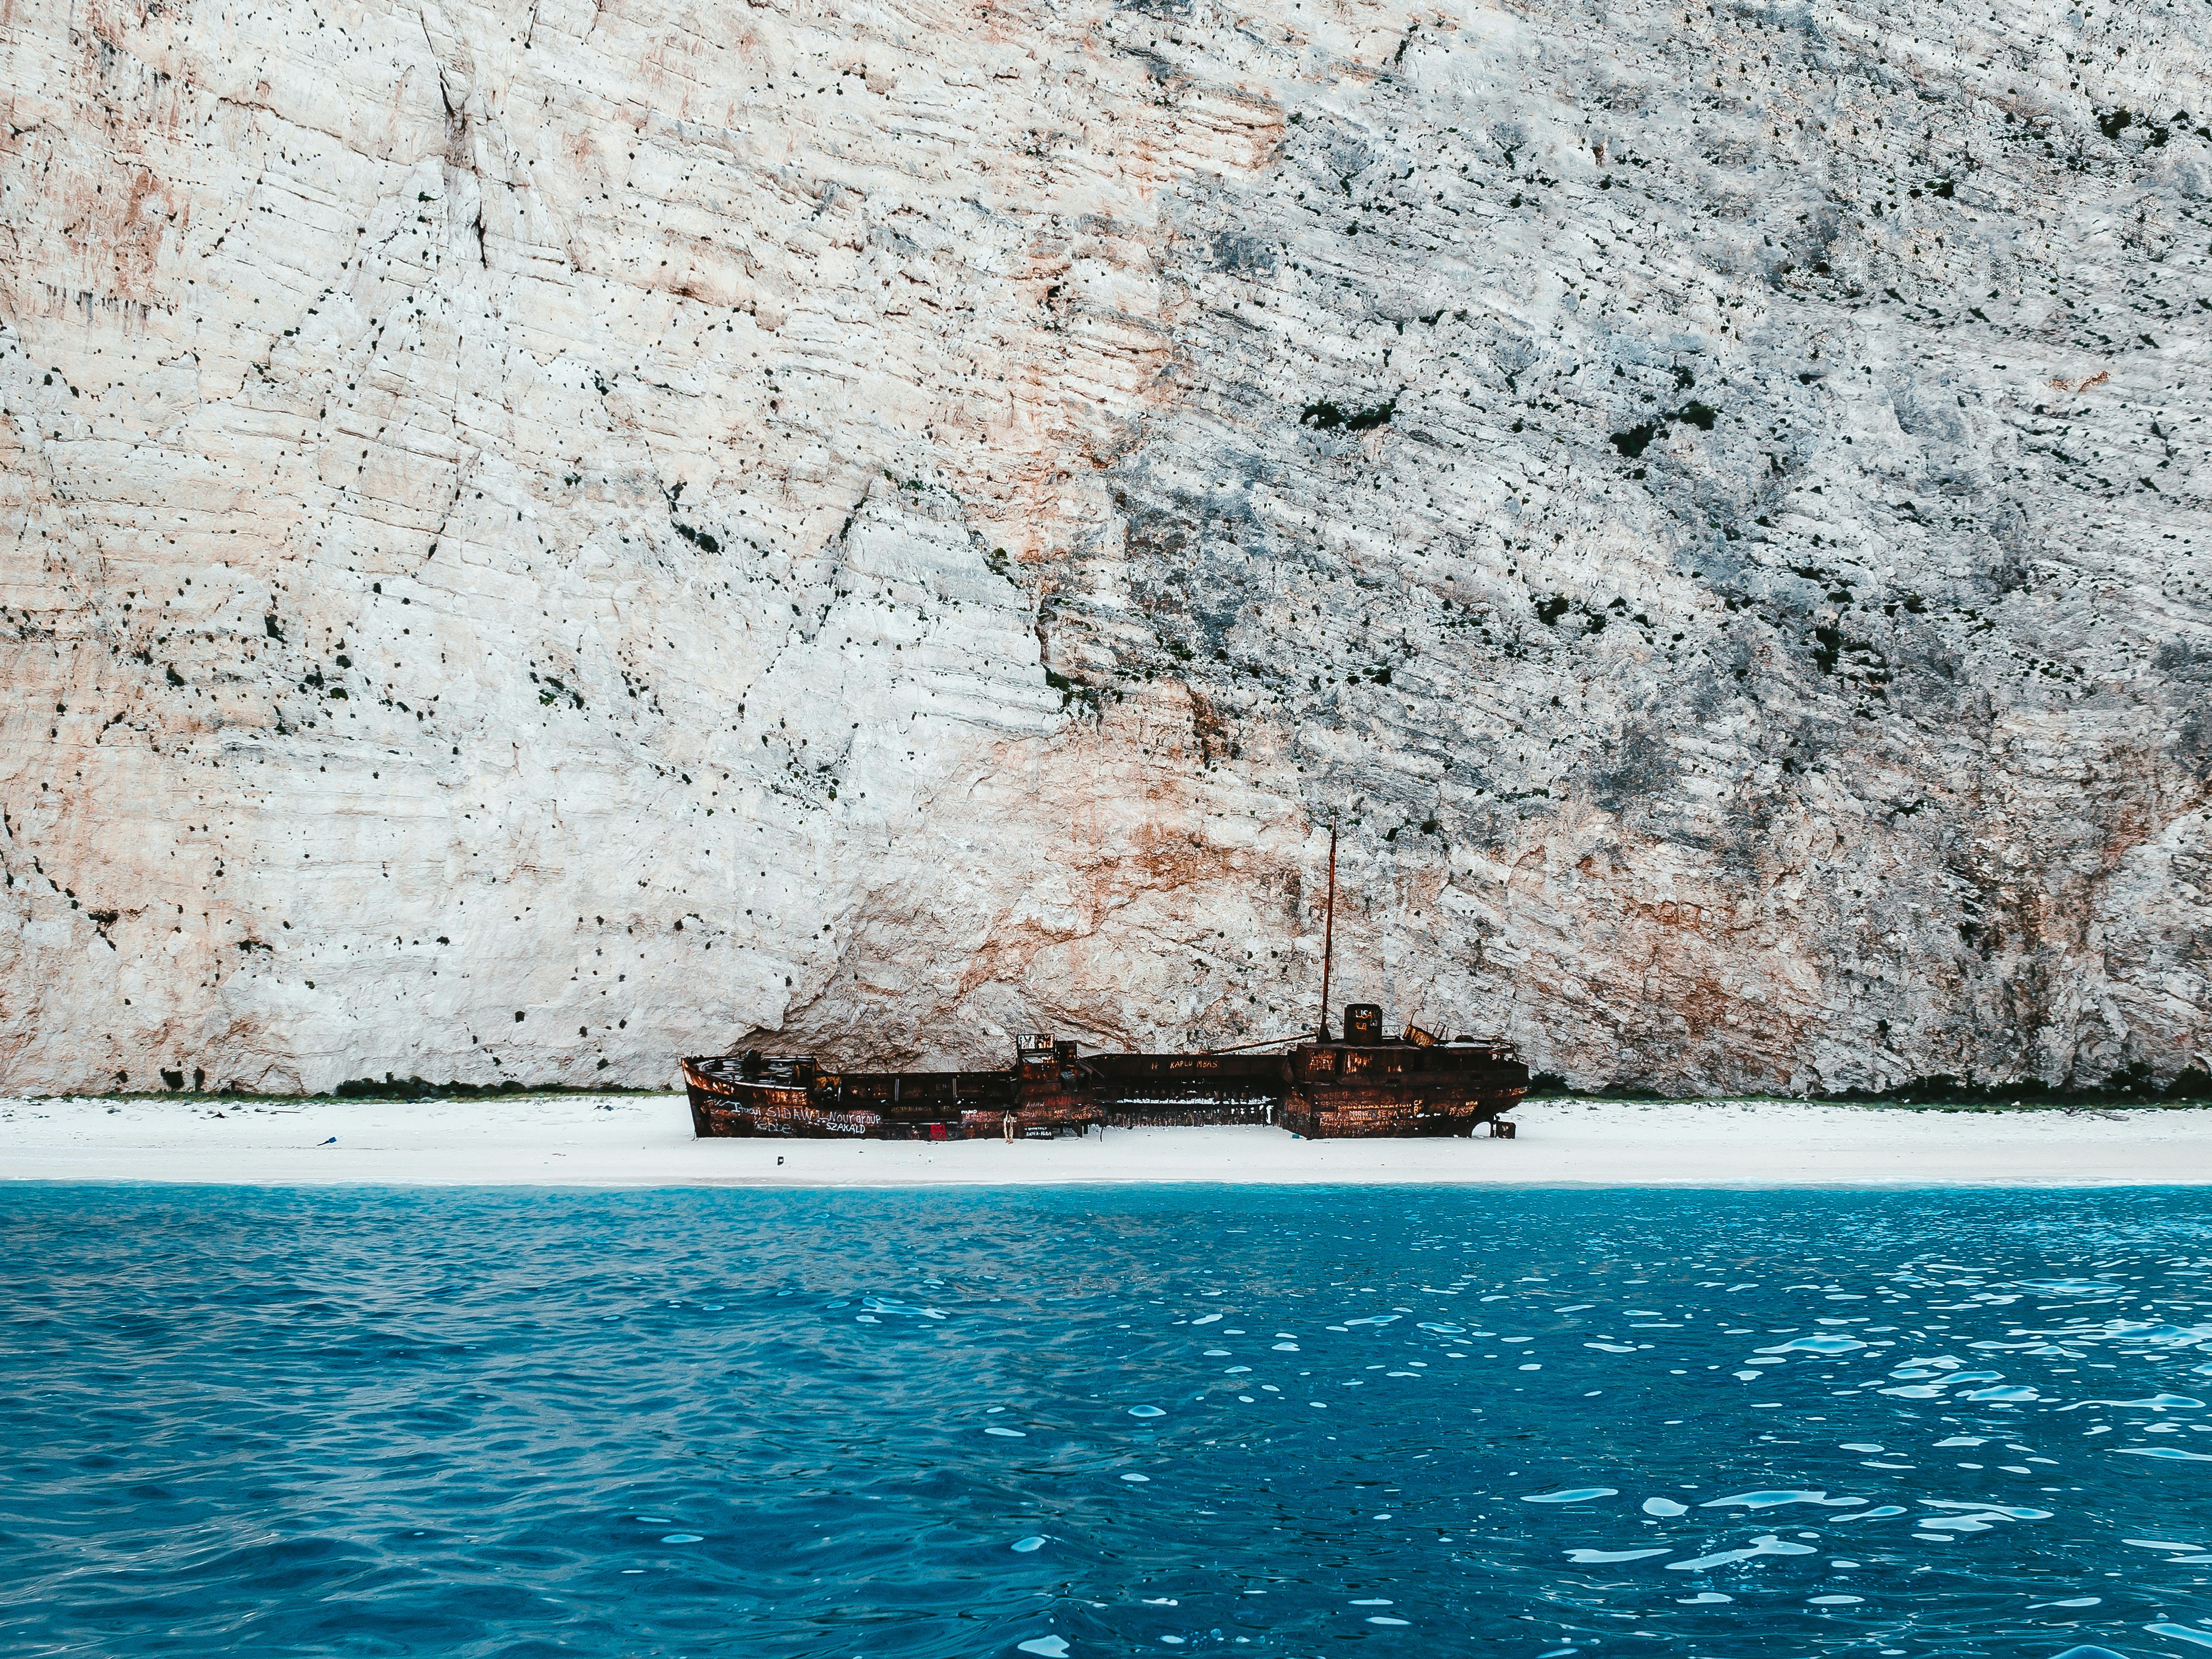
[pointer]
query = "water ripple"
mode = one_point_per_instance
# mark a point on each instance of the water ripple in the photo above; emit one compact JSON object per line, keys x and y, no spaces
{"x":959,"y":1423}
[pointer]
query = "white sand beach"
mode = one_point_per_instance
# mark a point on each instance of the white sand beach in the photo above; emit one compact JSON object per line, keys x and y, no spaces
{"x":570,"y":1140}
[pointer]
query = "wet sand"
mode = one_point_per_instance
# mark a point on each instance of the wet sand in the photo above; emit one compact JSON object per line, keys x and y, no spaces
{"x":571,"y":1141}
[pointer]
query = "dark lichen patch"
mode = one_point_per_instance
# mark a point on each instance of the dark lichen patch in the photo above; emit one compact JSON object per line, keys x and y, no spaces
{"x":551,"y":690}
{"x":414,"y":1088}
{"x":1328,"y":416}
{"x":699,"y":538}
{"x":2133,"y":1085}
{"x":1827,"y":646}
{"x":1074,"y":693}
{"x":1593,"y":619}
{"x":1632,"y":442}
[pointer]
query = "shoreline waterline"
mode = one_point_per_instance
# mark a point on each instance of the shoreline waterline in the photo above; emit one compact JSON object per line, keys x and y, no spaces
{"x":572,"y":1141}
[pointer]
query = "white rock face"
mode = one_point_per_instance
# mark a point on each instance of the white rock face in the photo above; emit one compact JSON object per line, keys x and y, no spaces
{"x":539,"y":539}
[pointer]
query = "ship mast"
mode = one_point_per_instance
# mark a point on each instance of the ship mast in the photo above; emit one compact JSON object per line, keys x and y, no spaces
{"x":1328,"y":934}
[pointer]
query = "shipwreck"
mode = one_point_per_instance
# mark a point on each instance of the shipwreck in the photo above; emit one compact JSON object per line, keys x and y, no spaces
{"x":1363,"y":1082}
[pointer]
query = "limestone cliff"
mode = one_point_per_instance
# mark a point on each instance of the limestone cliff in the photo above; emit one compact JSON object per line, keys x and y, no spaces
{"x":541,"y":537}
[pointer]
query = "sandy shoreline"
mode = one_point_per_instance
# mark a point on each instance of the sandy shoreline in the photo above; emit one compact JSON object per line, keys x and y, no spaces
{"x":569,"y":1140}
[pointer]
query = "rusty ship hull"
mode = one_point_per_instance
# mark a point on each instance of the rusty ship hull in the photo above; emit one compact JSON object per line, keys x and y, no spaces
{"x":750,"y":1094}
{"x":1410,"y":1083}
{"x":1367,"y":1083}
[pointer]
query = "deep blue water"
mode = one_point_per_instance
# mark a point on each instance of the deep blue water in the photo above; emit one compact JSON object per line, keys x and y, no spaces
{"x":1290,"y":1423}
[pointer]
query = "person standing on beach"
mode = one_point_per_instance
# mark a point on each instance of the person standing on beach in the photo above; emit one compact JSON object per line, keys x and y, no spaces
{"x":1008,"y":1124}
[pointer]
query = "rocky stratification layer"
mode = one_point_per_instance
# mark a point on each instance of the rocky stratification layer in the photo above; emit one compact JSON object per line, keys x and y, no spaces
{"x":540,"y":537}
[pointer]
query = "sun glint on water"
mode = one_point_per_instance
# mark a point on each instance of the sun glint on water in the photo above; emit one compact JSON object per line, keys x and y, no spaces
{"x":1072,"y":1423}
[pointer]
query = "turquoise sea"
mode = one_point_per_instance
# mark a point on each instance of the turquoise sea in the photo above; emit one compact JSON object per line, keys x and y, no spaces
{"x":1296,"y":1423}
